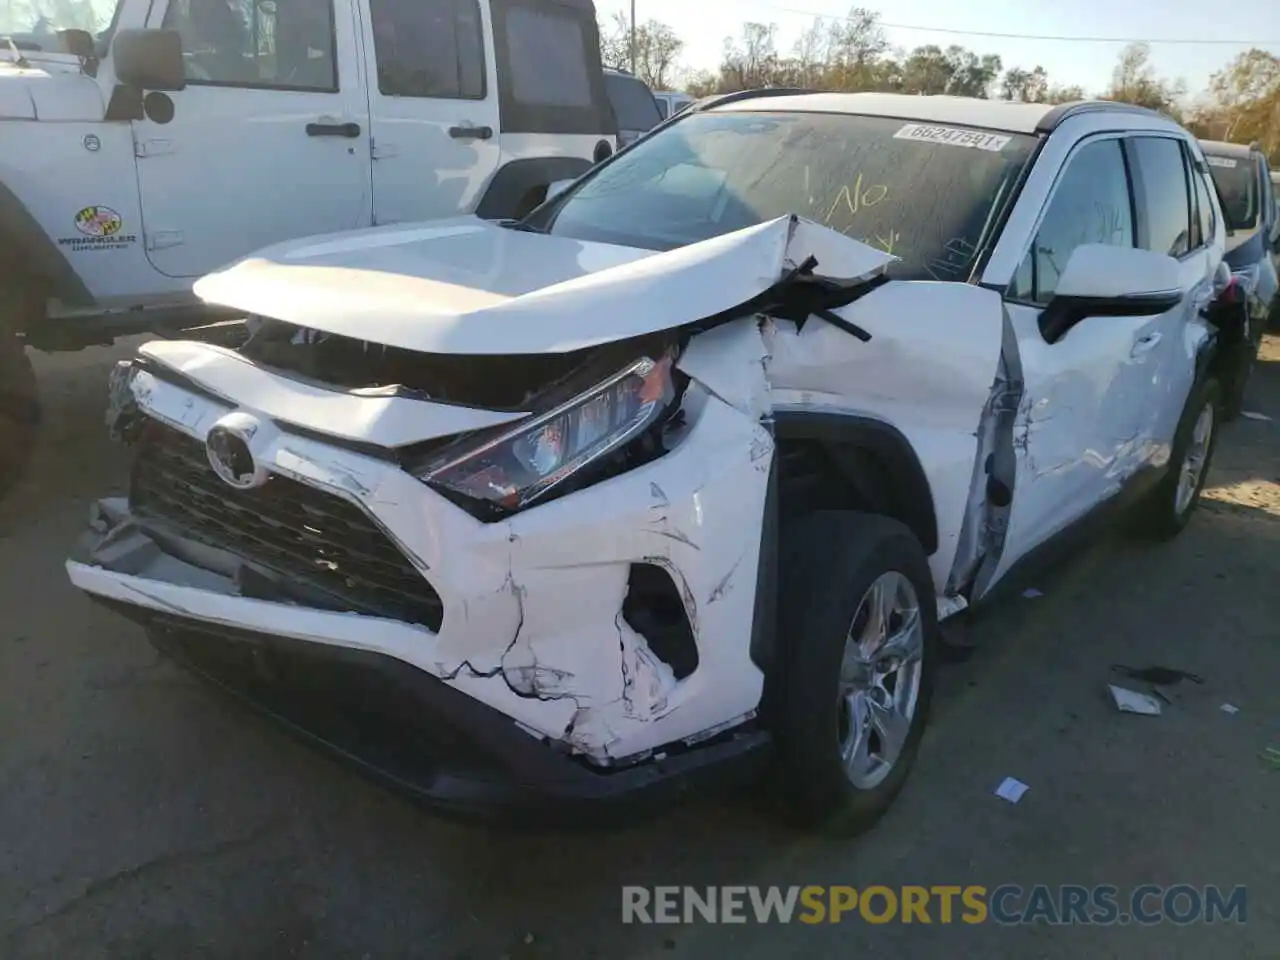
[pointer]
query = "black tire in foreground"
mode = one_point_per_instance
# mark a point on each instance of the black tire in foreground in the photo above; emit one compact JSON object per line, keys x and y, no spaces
{"x":858,"y":645}
{"x":1168,"y":508}
{"x":19,"y":411}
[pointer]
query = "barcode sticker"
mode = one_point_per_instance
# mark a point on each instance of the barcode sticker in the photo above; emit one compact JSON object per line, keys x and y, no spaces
{"x":952,"y":137}
{"x":1221,"y":162}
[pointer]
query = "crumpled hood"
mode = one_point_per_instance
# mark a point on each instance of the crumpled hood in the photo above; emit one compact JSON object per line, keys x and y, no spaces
{"x":50,"y":87}
{"x":469,"y":286}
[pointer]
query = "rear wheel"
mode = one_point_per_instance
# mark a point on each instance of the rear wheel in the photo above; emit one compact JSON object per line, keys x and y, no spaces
{"x":860,"y":633}
{"x":1168,"y":509}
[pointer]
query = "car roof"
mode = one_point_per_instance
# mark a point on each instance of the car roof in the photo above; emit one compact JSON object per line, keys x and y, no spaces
{"x":965,"y":111}
{"x":1220,"y":148}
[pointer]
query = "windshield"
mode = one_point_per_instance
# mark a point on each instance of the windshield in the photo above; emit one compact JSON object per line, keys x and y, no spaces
{"x":34,"y":24}
{"x":1237,"y":182}
{"x":923,"y":193}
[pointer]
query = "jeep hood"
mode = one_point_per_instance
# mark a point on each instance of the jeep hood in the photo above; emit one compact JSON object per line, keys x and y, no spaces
{"x":48,"y":87}
{"x":469,"y":286}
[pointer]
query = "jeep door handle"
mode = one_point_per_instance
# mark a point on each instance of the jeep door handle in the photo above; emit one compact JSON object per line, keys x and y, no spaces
{"x":471,"y":133}
{"x":348,"y":130}
{"x":1144,"y":345}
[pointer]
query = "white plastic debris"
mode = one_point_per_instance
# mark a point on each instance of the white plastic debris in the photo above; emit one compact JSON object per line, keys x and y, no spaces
{"x":1254,"y":415}
{"x":1032,"y":593}
{"x":1011,"y":789}
{"x":1229,"y":708}
{"x":1130,"y":701}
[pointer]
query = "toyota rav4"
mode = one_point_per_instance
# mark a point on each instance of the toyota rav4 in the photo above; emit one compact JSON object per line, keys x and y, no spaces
{"x":679,"y":473}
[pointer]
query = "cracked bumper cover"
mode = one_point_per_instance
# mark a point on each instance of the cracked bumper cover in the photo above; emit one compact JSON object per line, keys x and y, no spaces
{"x":533,"y":663}
{"x":392,"y":720}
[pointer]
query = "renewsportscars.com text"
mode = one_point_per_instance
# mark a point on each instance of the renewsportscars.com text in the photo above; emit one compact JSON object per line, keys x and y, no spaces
{"x":1008,"y":904}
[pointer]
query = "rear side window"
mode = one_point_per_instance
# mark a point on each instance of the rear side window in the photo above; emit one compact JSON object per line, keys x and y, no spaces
{"x":429,"y":48}
{"x":664,"y":108}
{"x":633,"y":104}
{"x":543,"y":50}
{"x":1206,"y":214}
{"x":1091,"y":204}
{"x":1160,"y":184}
{"x":550,"y":78}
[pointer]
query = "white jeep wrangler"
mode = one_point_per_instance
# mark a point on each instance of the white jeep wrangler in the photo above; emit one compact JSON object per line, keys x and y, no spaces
{"x":144,"y":143}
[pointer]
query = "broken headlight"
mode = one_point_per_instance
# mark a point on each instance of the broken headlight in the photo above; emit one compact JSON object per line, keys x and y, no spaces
{"x":523,"y":464}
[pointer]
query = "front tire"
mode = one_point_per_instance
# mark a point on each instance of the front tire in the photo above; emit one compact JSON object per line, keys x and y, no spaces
{"x":1168,"y":510}
{"x":860,"y":639}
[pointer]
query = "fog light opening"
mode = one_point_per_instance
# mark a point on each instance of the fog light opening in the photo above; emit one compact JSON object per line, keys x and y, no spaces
{"x":654,"y":610}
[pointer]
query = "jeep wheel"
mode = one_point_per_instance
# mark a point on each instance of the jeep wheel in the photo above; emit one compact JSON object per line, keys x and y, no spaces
{"x":860,"y":635}
{"x":1168,"y":509}
{"x":19,"y":411}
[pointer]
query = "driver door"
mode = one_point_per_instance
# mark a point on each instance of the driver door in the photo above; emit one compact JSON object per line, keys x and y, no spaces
{"x":269,"y":140}
{"x":1082,"y":428}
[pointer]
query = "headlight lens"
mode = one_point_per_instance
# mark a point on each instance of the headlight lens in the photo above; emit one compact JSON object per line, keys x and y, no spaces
{"x":523,"y":464}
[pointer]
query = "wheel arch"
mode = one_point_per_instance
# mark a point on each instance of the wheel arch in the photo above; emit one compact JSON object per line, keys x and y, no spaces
{"x":515,"y":181}
{"x":874,"y":459}
{"x":22,"y":239}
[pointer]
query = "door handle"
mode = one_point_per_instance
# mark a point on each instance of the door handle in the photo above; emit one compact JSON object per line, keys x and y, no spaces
{"x":1144,"y":345}
{"x":348,"y":130}
{"x":471,"y":133}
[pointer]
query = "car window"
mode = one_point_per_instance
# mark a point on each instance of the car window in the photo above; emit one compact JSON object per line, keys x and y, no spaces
{"x":429,"y":48}
{"x":1207,"y":216}
{"x":283,"y":44}
{"x":1090,"y":204}
{"x":1237,"y":181}
{"x":1162,"y":195}
{"x":632,"y":102}
{"x":921,"y":192}
{"x":544,"y":55}
{"x":664,"y":107}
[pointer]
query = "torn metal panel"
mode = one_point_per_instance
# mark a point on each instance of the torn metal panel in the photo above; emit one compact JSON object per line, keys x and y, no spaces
{"x":387,"y":421}
{"x":986,"y":518}
{"x":927,"y":371}
{"x":468,"y":286}
{"x":731,"y":361}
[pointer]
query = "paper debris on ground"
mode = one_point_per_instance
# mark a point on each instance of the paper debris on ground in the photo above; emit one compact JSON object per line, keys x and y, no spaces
{"x":1032,"y":593}
{"x":1229,"y":708}
{"x":1271,"y":755}
{"x":1130,"y":701}
{"x":1011,"y":789}
{"x":1253,"y":415}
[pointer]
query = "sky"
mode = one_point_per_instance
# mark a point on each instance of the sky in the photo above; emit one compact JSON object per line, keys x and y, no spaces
{"x":704,"y":25}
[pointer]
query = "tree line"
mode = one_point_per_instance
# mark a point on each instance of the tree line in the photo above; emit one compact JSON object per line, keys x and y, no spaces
{"x":1241,"y":104}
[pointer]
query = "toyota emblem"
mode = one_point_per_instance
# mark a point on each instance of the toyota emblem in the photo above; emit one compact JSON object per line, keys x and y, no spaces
{"x":229,"y":453}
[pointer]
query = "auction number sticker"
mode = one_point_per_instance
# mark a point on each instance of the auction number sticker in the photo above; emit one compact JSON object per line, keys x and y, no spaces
{"x":1221,"y":162}
{"x":952,"y":137}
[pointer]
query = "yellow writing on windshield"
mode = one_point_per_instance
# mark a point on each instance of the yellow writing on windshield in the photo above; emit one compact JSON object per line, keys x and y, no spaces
{"x":856,"y":197}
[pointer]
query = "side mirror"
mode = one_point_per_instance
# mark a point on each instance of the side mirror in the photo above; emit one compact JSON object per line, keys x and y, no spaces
{"x":149,"y":59}
{"x":557,"y":188}
{"x":78,"y":43}
{"x":1102,"y":280}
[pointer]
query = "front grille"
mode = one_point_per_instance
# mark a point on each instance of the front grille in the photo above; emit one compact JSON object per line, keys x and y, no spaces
{"x":292,"y":529}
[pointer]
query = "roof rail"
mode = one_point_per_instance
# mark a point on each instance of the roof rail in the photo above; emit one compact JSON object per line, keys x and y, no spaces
{"x":1050,"y":121}
{"x":719,"y":100}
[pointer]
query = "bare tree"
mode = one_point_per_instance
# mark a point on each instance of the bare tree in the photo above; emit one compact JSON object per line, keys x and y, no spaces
{"x":1134,"y":81}
{"x":658,"y":50}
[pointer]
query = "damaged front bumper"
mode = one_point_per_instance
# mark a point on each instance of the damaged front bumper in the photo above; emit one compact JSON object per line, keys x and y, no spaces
{"x":535,"y":679}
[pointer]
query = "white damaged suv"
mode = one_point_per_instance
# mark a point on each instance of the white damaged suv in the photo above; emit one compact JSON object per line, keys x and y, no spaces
{"x":681,"y":471}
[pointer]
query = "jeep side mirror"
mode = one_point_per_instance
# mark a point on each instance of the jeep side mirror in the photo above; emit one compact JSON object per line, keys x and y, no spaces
{"x":149,"y":59}
{"x":1103,"y":280}
{"x":78,"y":43}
